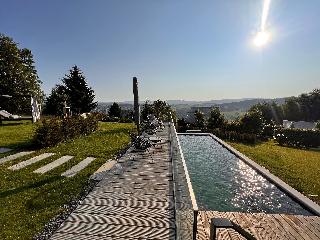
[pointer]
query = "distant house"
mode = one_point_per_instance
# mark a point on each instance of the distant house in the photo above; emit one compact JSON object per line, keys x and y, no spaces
{"x":299,"y":124}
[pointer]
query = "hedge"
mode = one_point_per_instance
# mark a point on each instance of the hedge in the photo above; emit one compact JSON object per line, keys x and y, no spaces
{"x":235,"y":136}
{"x":55,"y":130}
{"x":298,"y":137}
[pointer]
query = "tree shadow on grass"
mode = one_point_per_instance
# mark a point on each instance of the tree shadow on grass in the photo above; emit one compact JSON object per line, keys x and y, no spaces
{"x":258,"y":143}
{"x":5,"y":124}
{"x":27,"y":145}
{"x":29,"y":186}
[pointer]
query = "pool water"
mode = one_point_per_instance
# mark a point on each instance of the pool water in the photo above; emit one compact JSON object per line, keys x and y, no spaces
{"x":223,"y":182}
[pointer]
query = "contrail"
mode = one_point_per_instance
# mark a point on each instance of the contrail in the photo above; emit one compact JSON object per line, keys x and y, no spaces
{"x":265,"y":13}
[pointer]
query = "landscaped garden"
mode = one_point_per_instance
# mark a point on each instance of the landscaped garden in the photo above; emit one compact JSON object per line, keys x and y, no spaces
{"x":29,"y":200}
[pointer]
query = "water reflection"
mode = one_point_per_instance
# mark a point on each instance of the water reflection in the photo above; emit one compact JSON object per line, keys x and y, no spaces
{"x":223,"y":182}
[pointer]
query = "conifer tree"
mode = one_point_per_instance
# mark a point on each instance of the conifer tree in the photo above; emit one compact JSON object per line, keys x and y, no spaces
{"x":54,"y":103}
{"x":80,"y":95}
{"x":115,"y":110}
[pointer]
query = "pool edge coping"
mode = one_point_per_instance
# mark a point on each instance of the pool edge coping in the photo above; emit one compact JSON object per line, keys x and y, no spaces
{"x":189,"y":183}
{"x":293,"y":193}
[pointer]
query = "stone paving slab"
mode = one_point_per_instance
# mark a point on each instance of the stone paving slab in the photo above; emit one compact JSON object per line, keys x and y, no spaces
{"x":4,"y":150}
{"x":99,"y":174}
{"x":125,"y":211}
{"x":77,"y":168}
{"x":31,"y":161}
{"x":131,"y":202}
{"x":14,"y":156}
{"x":53,"y":165}
{"x":70,"y":236}
{"x":128,"y":196}
{"x":133,"y":191}
{"x":94,"y":229}
{"x":121,"y":220}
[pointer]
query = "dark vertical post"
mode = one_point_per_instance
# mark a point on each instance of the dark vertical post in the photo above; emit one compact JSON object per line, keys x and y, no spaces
{"x":136,"y":103}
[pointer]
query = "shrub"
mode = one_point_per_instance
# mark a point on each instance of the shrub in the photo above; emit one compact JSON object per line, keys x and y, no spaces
{"x":53,"y":131}
{"x":216,"y":119}
{"x":200,"y":121}
{"x":125,"y":120}
{"x":252,"y":122}
{"x":298,"y":137}
{"x":232,"y":126}
{"x":182,"y":125}
{"x":235,"y":136}
{"x":268,"y":130}
{"x":100,"y":116}
{"x":49,"y":133}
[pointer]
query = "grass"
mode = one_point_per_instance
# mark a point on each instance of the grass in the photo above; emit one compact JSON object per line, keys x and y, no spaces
{"x":28,"y":200}
{"x":16,"y":134}
{"x":297,"y":167}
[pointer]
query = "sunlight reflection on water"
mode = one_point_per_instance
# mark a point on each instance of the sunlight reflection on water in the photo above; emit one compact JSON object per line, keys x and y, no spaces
{"x":223,"y":182}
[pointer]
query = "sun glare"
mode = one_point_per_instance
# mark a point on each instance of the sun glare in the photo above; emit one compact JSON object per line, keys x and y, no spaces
{"x":261,"y":39}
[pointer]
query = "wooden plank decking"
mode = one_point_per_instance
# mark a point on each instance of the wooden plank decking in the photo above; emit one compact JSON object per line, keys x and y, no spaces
{"x":134,"y":200}
{"x":262,"y":226}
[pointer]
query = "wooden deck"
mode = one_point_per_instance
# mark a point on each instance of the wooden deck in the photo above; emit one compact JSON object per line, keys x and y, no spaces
{"x":134,"y":200}
{"x":262,"y":226}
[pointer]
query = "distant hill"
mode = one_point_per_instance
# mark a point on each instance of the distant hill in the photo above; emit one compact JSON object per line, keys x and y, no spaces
{"x":185,"y":109}
{"x":231,"y":107}
{"x":203,"y":103}
{"x":244,"y":105}
{"x":104,"y":106}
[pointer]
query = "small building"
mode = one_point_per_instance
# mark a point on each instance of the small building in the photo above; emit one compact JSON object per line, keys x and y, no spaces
{"x":299,"y":124}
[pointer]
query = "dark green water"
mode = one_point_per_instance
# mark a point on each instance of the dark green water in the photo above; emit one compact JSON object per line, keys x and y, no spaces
{"x":223,"y":182}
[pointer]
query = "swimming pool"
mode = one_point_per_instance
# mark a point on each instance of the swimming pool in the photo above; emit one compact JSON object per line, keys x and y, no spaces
{"x":223,"y":182}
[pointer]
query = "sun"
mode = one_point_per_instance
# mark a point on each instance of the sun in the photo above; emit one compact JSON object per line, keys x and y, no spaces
{"x":261,"y":39}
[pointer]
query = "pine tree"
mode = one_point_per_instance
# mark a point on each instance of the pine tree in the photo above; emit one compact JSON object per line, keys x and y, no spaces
{"x":80,"y":95}
{"x":115,"y":110}
{"x":54,"y":103}
{"x":18,"y":77}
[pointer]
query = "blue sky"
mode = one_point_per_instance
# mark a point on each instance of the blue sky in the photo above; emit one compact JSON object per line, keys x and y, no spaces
{"x":181,"y":49}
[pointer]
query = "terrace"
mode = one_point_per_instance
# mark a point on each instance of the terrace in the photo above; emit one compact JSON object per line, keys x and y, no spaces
{"x":150,"y":195}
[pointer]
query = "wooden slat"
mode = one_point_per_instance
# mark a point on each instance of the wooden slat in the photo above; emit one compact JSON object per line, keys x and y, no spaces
{"x":302,"y":225}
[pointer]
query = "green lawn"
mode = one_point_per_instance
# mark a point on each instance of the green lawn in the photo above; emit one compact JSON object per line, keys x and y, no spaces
{"x":16,"y":134}
{"x":297,"y":167}
{"x":29,"y":200}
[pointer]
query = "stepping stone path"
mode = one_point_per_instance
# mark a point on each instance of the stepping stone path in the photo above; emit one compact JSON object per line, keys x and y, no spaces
{"x":99,"y":174}
{"x":4,"y":150}
{"x":53,"y":165}
{"x":77,"y":168}
{"x":14,"y":156}
{"x":134,"y":200}
{"x":30,"y":161}
{"x":69,"y":173}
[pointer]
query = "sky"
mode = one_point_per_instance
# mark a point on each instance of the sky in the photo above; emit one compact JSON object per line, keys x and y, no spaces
{"x":181,"y":49}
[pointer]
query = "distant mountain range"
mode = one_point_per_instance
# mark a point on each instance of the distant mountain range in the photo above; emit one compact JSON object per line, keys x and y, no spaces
{"x":210,"y":102}
{"x":185,"y":108}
